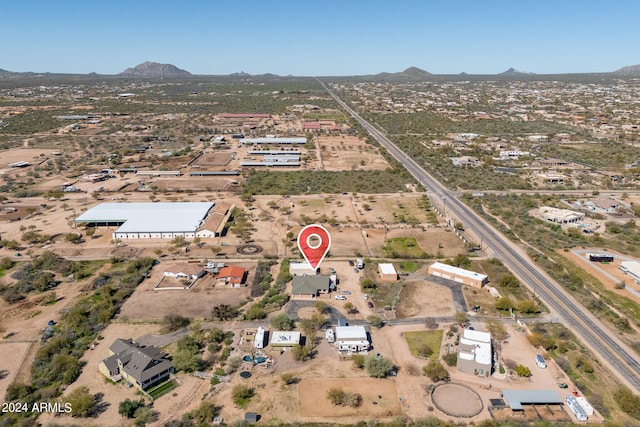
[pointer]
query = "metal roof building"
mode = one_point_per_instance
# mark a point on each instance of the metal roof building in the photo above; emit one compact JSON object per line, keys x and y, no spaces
{"x":286,"y":141}
{"x":148,"y":220}
{"x":457,"y":274}
{"x":632,"y":268}
{"x":517,"y":398}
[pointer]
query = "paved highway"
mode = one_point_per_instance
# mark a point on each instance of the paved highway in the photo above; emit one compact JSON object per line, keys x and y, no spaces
{"x":600,"y":339}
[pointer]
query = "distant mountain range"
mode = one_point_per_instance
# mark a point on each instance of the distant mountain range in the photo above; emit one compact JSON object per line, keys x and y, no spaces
{"x":153,"y":69}
{"x":630,"y":70}
{"x":514,"y":72}
{"x":411,"y":73}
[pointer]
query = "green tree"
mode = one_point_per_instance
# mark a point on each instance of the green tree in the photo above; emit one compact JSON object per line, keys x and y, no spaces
{"x":186,"y":360}
{"x":378,"y":366}
{"x":281,"y":322}
{"x":375,"y":320}
{"x":6,"y":263}
{"x":82,"y":402}
{"x":460,"y":260}
{"x":368,"y":283}
{"x":425,"y":350}
{"x":504,"y":303}
{"x":255,"y":312}
{"x":72,"y":237}
{"x":173,"y":322}
{"x":189,"y":343}
{"x":300,"y":352}
{"x":336,"y":395}
{"x":223,"y":312}
{"x":460,"y":317}
{"x":143,"y":416}
{"x":349,"y":307}
{"x":205,"y":413}
{"x":628,"y":401}
{"x":339,"y":397}
{"x":128,"y":407}
{"x":436,"y":371}
{"x":321,"y":306}
{"x":496,"y":328}
{"x":527,"y":307}
{"x":450,"y":359}
{"x":509,"y":281}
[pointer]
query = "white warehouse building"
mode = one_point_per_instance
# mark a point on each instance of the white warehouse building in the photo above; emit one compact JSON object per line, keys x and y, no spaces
{"x":150,"y":220}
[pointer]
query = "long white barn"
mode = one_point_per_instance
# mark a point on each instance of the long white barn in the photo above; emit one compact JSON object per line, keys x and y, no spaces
{"x":150,"y":220}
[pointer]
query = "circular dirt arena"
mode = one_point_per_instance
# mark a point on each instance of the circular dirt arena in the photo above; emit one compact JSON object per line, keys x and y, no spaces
{"x":249,"y":249}
{"x":457,"y":400}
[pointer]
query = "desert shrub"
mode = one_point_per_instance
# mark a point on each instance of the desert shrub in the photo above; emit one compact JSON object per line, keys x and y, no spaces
{"x":339,"y":397}
{"x":281,"y":322}
{"x":523,"y":371}
{"x":173,"y":322}
{"x":450,"y":359}
{"x":436,"y":371}
{"x":358,"y":361}
{"x":242,"y":394}
{"x":377,"y":366}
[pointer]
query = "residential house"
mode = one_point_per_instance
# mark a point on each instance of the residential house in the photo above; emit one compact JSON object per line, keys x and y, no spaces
{"x":185,"y":271}
{"x":474,"y":353}
{"x":143,"y":367}
{"x":233,"y":276}
{"x":310,"y":286}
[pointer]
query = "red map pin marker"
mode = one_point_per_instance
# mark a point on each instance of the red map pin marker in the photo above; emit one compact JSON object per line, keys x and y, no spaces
{"x":314,"y":252}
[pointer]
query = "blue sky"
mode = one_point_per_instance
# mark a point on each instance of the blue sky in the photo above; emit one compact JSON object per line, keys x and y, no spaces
{"x":322,"y":37}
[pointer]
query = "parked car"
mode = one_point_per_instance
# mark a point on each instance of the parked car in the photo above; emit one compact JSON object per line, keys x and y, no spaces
{"x":341,"y":297}
{"x":355,"y":270}
{"x":351,"y":264}
{"x":346,"y":292}
{"x":366,"y":296}
{"x":370,"y":304}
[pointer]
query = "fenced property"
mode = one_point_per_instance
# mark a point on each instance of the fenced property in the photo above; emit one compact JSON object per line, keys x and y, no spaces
{"x":160,"y":390}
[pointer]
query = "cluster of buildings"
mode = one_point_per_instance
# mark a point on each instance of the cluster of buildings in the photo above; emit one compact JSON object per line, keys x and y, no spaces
{"x":346,"y":339}
{"x":557,"y":101}
{"x":225,"y":275}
